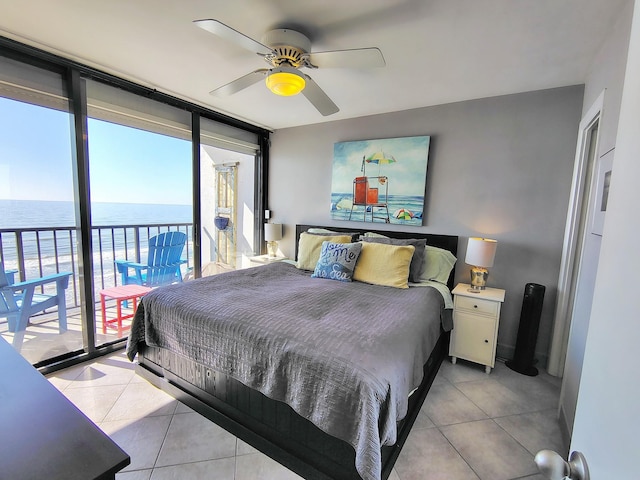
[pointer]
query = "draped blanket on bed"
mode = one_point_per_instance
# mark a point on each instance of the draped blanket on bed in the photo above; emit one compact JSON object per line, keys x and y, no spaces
{"x":343,"y":355}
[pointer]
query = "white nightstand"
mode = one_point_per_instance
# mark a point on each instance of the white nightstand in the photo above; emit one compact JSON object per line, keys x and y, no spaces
{"x":476,"y":317}
{"x":264,"y":259}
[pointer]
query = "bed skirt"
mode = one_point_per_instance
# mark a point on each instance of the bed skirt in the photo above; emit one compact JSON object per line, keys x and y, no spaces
{"x":271,"y":426}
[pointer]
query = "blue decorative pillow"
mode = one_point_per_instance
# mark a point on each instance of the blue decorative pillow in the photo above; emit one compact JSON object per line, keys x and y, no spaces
{"x":337,"y":261}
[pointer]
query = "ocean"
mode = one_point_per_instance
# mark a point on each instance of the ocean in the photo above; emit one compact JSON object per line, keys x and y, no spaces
{"x":36,"y":213}
{"x":412,"y":205}
{"x":46,"y":252}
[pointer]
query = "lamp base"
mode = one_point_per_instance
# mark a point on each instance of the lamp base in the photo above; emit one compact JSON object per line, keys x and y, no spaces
{"x":272,"y":248}
{"x":479,"y":277}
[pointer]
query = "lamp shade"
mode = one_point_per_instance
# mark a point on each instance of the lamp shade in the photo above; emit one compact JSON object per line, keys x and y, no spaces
{"x":481,"y":252}
{"x":272,"y":232}
{"x":285,"y":81}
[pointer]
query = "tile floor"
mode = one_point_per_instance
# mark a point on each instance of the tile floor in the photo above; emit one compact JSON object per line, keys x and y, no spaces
{"x":472,"y":426}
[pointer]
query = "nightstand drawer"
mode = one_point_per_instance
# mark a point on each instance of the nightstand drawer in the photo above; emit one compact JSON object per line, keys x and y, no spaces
{"x":477,"y":305}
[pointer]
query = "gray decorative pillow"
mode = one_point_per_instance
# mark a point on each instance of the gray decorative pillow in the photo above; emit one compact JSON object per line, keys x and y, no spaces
{"x":417,"y":261}
{"x":337,"y":261}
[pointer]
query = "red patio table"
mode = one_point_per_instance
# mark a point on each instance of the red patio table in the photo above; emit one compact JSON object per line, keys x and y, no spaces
{"x":120,"y":294}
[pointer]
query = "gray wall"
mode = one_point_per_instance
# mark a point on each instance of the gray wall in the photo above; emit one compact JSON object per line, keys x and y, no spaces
{"x":498,"y":167}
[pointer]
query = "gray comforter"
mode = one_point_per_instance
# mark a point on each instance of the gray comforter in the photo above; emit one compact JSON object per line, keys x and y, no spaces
{"x":343,"y":355}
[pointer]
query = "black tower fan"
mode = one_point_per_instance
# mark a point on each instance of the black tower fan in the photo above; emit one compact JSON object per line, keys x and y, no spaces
{"x":528,"y":330}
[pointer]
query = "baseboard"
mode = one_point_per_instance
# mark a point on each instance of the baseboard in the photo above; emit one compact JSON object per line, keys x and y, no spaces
{"x":564,"y":430}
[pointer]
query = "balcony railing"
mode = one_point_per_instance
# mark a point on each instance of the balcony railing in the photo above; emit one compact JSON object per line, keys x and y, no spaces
{"x":36,"y":252}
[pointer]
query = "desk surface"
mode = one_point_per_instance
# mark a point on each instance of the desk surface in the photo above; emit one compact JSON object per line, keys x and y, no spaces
{"x":42,"y":434}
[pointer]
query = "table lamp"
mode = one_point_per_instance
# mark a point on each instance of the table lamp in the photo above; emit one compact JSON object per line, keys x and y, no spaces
{"x":480,"y":255}
{"x":272,"y":233}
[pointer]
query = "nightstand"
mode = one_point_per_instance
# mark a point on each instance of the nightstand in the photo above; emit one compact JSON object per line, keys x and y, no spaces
{"x":476,"y":317}
{"x":264,"y":259}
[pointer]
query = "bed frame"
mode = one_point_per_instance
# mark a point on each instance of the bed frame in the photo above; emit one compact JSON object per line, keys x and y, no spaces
{"x":271,"y":426}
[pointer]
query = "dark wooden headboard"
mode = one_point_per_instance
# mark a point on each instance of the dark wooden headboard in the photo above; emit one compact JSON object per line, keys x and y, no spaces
{"x":447,"y":242}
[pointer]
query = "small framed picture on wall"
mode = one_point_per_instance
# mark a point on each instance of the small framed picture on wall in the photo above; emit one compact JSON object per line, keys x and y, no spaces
{"x":603,"y":182}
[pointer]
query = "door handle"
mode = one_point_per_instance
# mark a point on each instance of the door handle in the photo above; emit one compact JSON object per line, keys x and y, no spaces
{"x":554,"y":467}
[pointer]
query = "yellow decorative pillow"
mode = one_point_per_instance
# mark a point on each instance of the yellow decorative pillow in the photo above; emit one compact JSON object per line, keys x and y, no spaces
{"x":309,"y":247}
{"x":382,"y":264}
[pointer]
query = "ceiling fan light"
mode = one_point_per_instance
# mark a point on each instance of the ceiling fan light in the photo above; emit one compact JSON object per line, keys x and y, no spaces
{"x":285,"y":81}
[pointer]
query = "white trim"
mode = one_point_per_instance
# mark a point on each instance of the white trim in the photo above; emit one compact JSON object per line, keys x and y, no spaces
{"x":569,"y":263}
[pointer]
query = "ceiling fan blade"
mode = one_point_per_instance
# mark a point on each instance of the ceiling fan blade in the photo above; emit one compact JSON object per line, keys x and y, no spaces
{"x":356,"y":58}
{"x":224,"y":31}
{"x":240,"y":83}
{"x":318,"y":98}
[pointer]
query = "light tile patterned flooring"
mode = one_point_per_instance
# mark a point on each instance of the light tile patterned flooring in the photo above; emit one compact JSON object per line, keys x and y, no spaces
{"x":472,"y":426}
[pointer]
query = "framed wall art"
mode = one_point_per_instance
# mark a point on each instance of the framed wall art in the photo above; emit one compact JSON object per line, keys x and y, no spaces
{"x":380,"y":181}
{"x":603,"y":181}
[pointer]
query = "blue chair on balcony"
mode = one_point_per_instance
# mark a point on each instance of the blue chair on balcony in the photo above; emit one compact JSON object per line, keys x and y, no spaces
{"x":19,"y":301}
{"x":163,"y":262}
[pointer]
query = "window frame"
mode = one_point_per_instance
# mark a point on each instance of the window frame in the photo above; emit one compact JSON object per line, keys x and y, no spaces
{"x":73,"y":73}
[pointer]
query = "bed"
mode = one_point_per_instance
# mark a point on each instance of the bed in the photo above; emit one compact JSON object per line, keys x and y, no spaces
{"x":325,"y":377}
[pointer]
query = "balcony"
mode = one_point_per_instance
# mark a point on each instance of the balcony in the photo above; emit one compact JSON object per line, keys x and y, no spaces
{"x":36,"y":252}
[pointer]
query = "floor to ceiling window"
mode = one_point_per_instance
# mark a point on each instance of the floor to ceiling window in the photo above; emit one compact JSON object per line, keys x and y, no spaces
{"x":140,"y":172}
{"x":37,"y":213}
{"x":86,"y":183}
{"x":227,"y":176}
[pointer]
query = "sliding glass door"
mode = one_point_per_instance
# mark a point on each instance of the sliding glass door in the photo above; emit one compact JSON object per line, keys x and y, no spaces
{"x":38,"y":226}
{"x":227,"y":196}
{"x":141,"y":186}
{"x":93,"y":169}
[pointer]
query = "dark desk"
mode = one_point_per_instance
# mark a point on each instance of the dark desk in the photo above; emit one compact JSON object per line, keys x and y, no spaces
{"x":43,"y":435}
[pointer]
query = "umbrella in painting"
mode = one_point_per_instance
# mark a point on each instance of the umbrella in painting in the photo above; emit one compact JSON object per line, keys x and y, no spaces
{"x":380,"y":158}
{"x":403,"y":214}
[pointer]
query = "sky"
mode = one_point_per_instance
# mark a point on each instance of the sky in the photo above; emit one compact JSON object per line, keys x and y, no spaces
{"x":126,"y":165}
{"x":407,"y":175}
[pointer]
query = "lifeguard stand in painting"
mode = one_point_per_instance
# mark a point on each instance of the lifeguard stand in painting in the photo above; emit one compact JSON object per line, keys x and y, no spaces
{"x":370,"y":198}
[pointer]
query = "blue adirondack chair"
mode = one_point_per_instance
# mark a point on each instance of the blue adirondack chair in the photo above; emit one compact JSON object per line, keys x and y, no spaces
{"x":163,"y":262}
{"x":19,"y":301}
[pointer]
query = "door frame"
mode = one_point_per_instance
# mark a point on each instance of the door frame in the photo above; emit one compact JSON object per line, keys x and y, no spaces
{"x":570,"y":262}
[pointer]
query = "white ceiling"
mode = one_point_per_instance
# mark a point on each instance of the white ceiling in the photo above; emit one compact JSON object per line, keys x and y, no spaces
{"x":436,"y":51}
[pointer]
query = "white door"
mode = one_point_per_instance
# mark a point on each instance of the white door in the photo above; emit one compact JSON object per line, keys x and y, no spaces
{"x":607,"y":421}
{"x":574,"y":300}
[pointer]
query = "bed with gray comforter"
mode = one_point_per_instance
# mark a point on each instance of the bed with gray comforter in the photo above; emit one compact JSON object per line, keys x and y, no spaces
{"x":344,"y":355}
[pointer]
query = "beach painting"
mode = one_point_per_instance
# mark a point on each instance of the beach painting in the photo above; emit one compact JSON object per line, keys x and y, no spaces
{"x":380,"y":181}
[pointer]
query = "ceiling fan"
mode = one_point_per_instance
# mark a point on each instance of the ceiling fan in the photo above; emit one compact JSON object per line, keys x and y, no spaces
{"x":287,"y":51}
